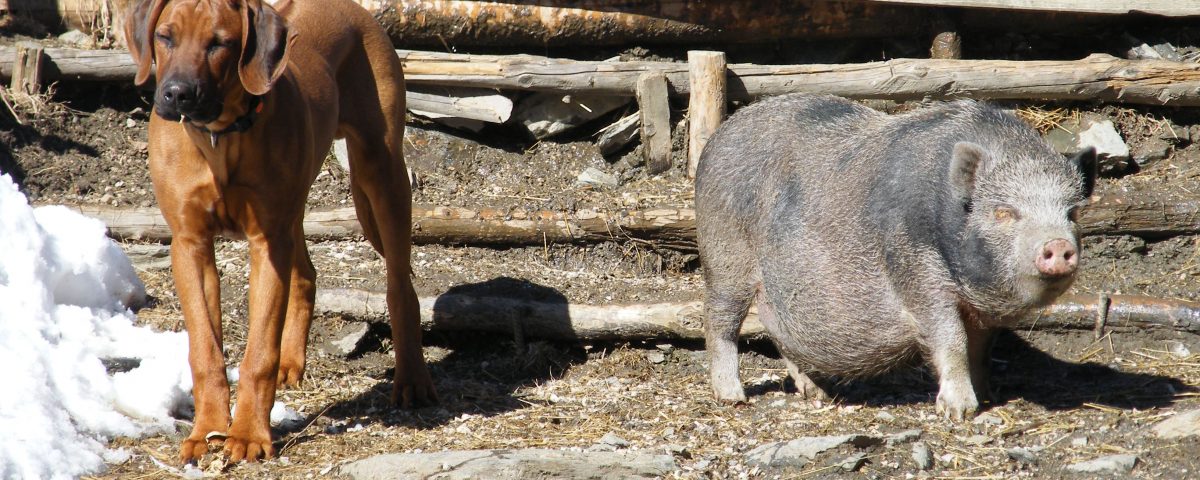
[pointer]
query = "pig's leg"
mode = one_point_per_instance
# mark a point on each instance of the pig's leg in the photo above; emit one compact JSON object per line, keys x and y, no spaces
{"x":979,"y":349}
{"x":805,"y":386}
{"x":945,"y":336}
{"x":726,"y":302}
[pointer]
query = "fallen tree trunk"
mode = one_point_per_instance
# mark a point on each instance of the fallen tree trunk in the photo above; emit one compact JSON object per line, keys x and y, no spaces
{"x":1167,"y":8}
{"x":560,"y":320}
{"x":1097,"y":77}
{"x":1153,"y":214}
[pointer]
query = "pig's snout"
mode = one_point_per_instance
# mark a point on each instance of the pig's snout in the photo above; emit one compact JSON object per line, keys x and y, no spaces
{"x":1057,"y":258}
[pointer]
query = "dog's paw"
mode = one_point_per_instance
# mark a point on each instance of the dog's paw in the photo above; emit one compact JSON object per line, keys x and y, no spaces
{"x":414,"y":389}
{"x":248,"y":449}
{"x":289,"y":376}
{"x":193,"y":448}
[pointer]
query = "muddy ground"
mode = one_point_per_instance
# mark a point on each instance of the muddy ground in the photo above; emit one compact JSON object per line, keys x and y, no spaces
{"x":1062,"y":394}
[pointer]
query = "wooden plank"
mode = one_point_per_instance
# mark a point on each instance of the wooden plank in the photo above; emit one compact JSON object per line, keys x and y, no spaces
{"x":1096,"y":78}
{"x":1168,"y":8}
{"x":1150,"y":213}
{"x":561,"y":320}
{"x":706,"y":105}
{"x":614,"y":137}
{"x":28,"y":68}
{"x":654,"y":103}
{"x":459,"y":102}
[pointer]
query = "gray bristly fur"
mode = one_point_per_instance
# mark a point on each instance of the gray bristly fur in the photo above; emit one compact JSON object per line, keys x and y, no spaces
{"x":870,"y":239}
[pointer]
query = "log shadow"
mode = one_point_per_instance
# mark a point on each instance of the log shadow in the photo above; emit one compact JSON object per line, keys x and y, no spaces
{"x":483,"y":370}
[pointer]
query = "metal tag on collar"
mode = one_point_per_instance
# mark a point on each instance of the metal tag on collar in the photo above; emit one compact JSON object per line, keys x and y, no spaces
{"x":213,"y":136}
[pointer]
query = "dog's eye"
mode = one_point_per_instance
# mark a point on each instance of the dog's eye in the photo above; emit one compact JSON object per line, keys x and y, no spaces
{"x":165,"y":39}
{"x":217,"y":45}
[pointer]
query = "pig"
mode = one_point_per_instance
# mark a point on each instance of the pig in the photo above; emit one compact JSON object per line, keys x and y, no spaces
{"x":869,"y":240}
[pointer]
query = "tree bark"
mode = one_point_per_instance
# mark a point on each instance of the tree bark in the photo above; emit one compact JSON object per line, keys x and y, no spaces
{"x":1095,"y":78}
{"x":561,"y":320}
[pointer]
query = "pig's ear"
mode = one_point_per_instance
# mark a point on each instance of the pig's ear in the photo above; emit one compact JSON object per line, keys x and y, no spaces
{"x":1085,"y":161}
{"x":964,"y":164}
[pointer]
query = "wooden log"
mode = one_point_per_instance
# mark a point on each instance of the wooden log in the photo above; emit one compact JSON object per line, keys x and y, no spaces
{"x":656,"y":121}
{"x":459,"y":102}
{"x":1149,"y":214}
{"x":614,"y":137}
{"x":27,"y":68}
{"x":1168,"y":8}
{"x":706,"y":105}
{"x":561,"y":320}
{"x":1096,"y":78}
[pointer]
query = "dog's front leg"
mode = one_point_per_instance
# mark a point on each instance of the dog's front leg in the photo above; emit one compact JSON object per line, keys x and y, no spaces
{"x":271,"y":257}
{"x":193,"y":262}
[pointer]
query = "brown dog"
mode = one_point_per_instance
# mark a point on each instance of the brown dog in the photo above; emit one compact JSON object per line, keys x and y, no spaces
{"x":249,"y":99}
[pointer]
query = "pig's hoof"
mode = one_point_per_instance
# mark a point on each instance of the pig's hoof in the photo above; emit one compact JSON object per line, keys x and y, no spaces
{"x":957,"y":407}
{"x":730,"y":394}
{"x":807,"y":389}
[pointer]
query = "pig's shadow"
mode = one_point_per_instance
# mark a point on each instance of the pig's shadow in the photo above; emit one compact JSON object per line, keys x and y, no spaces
{"x":1019,"y":370}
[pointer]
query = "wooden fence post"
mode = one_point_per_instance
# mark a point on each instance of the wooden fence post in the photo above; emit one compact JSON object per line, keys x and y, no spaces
{"x":706,"y":106}
{"x":27,"y":68}
{"x":656,"y":121}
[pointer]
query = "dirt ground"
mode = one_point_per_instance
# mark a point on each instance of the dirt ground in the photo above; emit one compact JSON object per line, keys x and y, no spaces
{"x":1061,"y":394}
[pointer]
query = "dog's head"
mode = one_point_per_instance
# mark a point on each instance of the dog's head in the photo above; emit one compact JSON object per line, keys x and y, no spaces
{"x":207,"y":53}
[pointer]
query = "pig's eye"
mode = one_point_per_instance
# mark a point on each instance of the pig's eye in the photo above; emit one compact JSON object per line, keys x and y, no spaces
{"x":1005,"y":214}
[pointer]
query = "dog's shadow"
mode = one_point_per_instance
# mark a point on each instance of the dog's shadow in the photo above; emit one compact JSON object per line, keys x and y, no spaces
{"x":1020,"y":370}
{"x":483,"y":369}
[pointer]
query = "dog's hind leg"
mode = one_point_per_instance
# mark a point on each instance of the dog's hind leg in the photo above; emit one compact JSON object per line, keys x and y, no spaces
{"x":301,"y":297}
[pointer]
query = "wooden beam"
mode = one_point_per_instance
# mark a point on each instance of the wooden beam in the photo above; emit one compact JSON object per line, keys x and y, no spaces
{"x":1095,"y":78}
{"x":655,"y":108}
{"x":706,"y":105}
{"x":561,"y":320}
{"x":27,"y":68}
{"x":459,"y":102}
{"x":1146,"y":213}
{"x":1167,"y":8}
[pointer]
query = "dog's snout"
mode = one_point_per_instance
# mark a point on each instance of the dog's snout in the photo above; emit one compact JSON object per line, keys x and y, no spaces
{"x":181,"y":95}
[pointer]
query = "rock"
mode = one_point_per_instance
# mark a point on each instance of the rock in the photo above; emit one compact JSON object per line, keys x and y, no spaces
{"x":1116,"y":464}
{"x":1179,"y":349}
{"x":613,"y":439}
{"x":977,"y":440}
{"x":593,"y":176}
{"x":853,"y":462}
{"x":346,"y":340}
{"x":614,"y":137}
{"x":1092,"y":131}
{"x":147,"y":256}
{"x":656,"y":357}
{"x":76,"y":38}
{"x":988,"y":419}
{"x":1079,"y":442}
{"x":903,"y":437}
{"x":117,"y":365}
{"x":1150,"y":151}
{"x":801,"y":451}
{"x":884,"y":416}
{"x":548,"y":114}
{"x":1181,"y":425}
{"x":510,"y":464}
{"x":1162,"y":51}
{"x":922,"y":456}
{"x":1022,"y":455}
{"x":1111,"y":150}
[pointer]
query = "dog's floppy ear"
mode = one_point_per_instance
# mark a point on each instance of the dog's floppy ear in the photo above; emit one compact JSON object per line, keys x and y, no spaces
{"x":265,"y":46}
{"x":139,"y":36}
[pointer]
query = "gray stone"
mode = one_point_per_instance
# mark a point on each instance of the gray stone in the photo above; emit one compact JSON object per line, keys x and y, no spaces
{"x":1162,"y":51}
{"x":148,"y":257}
{"x":988,"y":419}
{"x":1182,"y":425}
{"x":977,"y":440}
{"x":922,"y":455}
{"x":884,"y":416}
{"x":656,"y":356}
{"x":346,"y":340}
{"x":1116,"y":464}
{"x":1079,"y":442}
{"x":1111,"y":150}
{"x":593,"y":176}
{"x":853,"y":462}
{"x":548,"y":114}
{"x":1022,"y":455}
{"x":1150,"y":151}
{"x":613,"y":439}
{"x":510,"y":464}
{"x":77,"y":38}
{"x":903,"y":437}
{"x":801,"y":451}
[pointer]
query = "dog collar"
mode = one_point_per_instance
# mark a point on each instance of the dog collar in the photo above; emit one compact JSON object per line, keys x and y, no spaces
{"x":239,"y":124}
